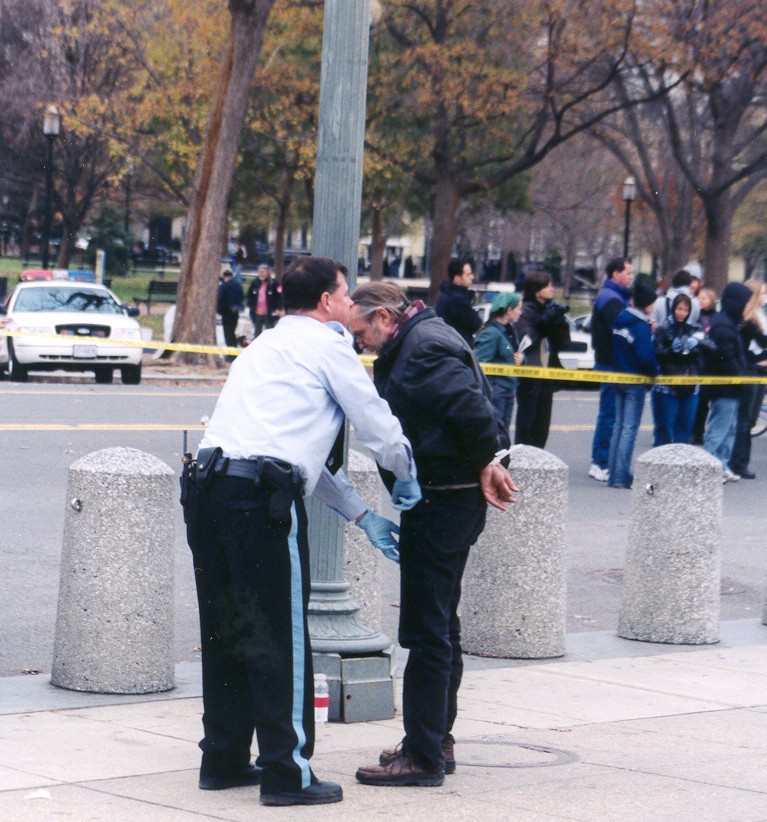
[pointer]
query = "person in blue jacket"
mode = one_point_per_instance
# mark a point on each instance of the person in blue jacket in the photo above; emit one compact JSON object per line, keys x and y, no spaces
{"x":633,"y":353}
{"x":497,"y":343}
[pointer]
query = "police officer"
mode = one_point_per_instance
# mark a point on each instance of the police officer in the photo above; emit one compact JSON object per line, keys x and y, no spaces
{"x":265,"y":448}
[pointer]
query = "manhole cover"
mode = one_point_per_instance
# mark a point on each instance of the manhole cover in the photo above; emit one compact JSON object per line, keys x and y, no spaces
{"x":503,"y":754}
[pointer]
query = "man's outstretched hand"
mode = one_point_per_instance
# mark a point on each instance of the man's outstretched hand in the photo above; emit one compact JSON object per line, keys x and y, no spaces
{"x":497,"y":486}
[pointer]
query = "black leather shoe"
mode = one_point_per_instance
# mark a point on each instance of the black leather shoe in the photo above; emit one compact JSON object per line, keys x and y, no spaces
{"x":249,"y":776}
{"x":318,"y":793}
{"x":746,"y":474}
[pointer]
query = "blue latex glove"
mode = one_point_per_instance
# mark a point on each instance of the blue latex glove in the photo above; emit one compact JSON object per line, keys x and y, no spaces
{"x":381,"y":533}
{"x":405,"y":494}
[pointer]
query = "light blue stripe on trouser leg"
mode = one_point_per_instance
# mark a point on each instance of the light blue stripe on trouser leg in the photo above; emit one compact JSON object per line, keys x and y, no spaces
{"x":299,"y":649}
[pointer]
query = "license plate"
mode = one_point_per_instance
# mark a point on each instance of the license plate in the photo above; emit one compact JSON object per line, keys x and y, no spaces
{"x":84,"y":352}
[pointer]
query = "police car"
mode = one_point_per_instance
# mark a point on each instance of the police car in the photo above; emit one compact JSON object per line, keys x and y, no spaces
{"x":74,"y":317}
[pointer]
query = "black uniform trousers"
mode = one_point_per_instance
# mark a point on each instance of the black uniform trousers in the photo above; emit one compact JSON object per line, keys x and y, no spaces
{"x":435,"y":537}
{"x":252,"y":575}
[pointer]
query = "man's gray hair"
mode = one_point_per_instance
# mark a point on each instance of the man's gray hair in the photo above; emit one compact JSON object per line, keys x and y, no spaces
{"x":369,"y":298}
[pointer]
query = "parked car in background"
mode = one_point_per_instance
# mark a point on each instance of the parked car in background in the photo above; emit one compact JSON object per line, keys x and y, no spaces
{"x":79,"y":313}
{"x":579,"y":353}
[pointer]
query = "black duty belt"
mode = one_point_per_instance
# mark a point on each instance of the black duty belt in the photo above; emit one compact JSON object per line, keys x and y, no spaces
{"x":280,"y":479}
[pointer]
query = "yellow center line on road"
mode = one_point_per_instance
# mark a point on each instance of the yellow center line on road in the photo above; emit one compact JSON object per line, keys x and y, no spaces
{"x":87,"y":426}
{"x":91,"y":390}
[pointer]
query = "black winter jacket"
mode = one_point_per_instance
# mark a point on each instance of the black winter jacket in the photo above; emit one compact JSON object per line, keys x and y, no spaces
{"x":730,"y":358}
{"x":543,"y":322}
{"x":681,"y":352}
{"x":454,"y":306}
{"x":440,"y":395}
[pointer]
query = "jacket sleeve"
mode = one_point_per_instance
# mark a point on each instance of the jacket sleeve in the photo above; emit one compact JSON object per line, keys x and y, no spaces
{"x":486,"y":345}
{"x":645,"y":350}
{"x":464,"y":316}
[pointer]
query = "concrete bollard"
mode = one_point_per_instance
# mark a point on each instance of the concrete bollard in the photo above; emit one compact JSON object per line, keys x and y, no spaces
{"x":513,"y":603}
{"x":671,"y":584}
{"x":114,"y":629}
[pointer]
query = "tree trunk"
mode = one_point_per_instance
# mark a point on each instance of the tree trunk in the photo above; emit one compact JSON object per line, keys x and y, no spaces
{"x":718,"y":228}
{"x":569,"y":265}
{"x":27,"y":227}
{"x":284,"y":203}
{"x":207,"y":219}
{"x":65,"y":249}
{"x":446,"y":200}
{"x":377,"y":246}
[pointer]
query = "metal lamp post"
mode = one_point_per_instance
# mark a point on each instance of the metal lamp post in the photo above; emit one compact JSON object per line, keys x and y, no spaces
{"x":629,"y":195}
{"x":354,"y":657}
{"x":51,"y":125}
{"x":129,"y":168}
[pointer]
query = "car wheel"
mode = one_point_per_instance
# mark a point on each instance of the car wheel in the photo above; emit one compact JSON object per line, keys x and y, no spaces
{"x":16,"y":371}
{"x":131,"y":374}
{"x":104,"y":375}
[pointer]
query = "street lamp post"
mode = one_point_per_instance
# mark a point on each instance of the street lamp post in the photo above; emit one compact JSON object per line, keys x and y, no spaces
{"x":629,"y":195}
{"x":51,"y":124}
{"x":128,"y":181}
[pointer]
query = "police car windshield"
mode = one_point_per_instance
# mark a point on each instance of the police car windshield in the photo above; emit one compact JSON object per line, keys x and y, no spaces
{"x":88,"y":300}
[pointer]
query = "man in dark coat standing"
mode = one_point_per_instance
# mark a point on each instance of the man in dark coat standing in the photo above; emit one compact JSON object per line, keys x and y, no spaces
{"x":454,"y":303}
{"x":435,"y":387}
{"x":228,"y":305}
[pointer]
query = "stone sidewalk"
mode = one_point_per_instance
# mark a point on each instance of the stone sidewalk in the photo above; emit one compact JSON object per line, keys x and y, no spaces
{"x":615,"y":730}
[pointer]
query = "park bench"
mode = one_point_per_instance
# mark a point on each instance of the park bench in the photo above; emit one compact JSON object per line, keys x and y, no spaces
{"x":158,"y":291}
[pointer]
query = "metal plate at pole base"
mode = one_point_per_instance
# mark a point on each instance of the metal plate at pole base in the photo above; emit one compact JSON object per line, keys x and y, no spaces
{"x":334,"y":626}
{"x":361,"y":688}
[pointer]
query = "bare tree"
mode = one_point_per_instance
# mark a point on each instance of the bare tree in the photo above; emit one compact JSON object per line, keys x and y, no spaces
{"x":483,"y":92}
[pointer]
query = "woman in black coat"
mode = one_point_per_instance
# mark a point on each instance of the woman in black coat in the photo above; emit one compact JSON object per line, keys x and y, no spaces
{"x":544,"y":325}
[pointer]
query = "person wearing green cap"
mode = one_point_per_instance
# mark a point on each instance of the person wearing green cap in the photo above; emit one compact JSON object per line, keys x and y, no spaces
{"x":497,"y":343}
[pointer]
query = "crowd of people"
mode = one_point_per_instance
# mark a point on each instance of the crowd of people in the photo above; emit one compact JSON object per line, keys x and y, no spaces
{"x":635,"y":330}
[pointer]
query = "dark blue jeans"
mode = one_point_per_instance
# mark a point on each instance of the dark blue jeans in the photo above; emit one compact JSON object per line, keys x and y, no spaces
{"x":600,"y":446}
{"x":629,"y":404}
{"x":673,"y":417}
{"x":503,"y":401}
{"x":435,"y":538}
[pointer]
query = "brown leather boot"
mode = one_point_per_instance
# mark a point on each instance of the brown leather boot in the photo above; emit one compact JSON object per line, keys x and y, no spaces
{"x":400,"y":772}
{"x":448,"y":752}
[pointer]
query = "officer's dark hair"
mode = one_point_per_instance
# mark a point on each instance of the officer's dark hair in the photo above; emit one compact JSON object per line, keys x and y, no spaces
{"x":534,"y":282}
{"x":615,"y":265}
{"x":681,"y":278}
{"x":307,"y":279}
{"x":455,"y":269}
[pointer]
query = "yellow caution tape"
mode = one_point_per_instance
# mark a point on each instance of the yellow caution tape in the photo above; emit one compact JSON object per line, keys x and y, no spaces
{"x":491,"y":369}
{"x":116,"y":341}
{"x":586,"y":375}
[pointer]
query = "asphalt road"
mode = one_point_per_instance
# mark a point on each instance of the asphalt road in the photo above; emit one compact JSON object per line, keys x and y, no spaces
{"x":47,"y":427}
